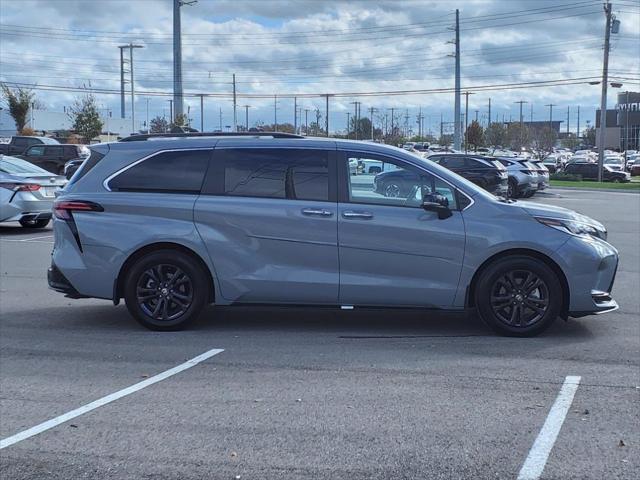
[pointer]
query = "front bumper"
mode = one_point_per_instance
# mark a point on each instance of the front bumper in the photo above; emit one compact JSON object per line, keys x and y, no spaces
{"x":591,"y":267}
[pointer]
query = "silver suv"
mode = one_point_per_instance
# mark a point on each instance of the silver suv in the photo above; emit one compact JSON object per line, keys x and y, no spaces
{"x":523,"y":177}
{"x":172,"y":224}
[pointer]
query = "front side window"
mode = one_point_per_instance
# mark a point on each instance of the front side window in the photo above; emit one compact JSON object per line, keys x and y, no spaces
{"x":294,"y":174}
{"x":397,"y":184}
{"x":54,"y":151}
{"x":171,"y":172}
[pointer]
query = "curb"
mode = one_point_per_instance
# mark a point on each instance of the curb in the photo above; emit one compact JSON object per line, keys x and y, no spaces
{"x":586,"y":189}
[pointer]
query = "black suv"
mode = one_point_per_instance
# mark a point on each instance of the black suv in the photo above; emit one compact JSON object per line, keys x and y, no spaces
{"x":53,"y":157}
{"x":486,"y":172}
{"x":589,"y":171}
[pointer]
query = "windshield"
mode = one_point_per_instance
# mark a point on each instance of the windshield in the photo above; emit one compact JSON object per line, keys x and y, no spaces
{"x":17,"y":166}
{"x":613,"y":161}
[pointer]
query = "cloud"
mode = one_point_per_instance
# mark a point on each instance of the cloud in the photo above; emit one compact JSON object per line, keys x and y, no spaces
{"x":299,"y":46}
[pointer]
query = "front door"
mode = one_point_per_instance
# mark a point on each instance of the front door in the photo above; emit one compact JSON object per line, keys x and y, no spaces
{"x":392,"y":251}
{"x":268,"y":217}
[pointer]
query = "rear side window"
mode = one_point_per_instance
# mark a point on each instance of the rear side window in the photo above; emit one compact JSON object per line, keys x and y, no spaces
{"x":170,"y":172}
{"x":294,"y":174}
{"x":88,"y":164}
{"x":453,"y":162}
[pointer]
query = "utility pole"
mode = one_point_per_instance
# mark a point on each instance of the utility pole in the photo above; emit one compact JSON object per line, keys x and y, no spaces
{"x":466,"y":117}
{"x":456,"y":128}
{"x":392,"y":110}
{"x":326,"y":114}
{"x":131,"y":46}
{"x":246,"y":117}
{"x":371,"y":111}
{"x":603,"y":97}
{"x":220,"y":118}
{"x":348,"y":124}
{"x":406,"y":122}
{"x":170,"y":111}
{"x":568,"y":116}
{"x":521,"y":118}
{"x":578,"y":125}
{"x":306,"y":121}
{"x":356,"y":118}
{"x":551,"y":105}
{"x":122,"y":47}
{"x":489,"y":122}
{"x":275,"y":113}
{"x":318,"y":115}
{"x":419,"y":122}
{"x":201,"y":95}
{"x":477,"y":115}
{"x":147,"y":122}
{"x":177,"y":56}
{"x":235,"y":106}
{"x":295,"y":114}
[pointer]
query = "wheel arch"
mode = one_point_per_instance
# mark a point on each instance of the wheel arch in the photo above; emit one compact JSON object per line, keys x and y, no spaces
{"x":470,"y":297}
{"x":119,"y":281}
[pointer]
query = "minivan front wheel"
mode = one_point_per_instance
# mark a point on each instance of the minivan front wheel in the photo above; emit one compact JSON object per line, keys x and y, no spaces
{"x":165,"y":290}
{"x":518,"y":296}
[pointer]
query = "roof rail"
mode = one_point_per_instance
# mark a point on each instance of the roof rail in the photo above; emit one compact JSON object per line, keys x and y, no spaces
{"x":147,"y":136}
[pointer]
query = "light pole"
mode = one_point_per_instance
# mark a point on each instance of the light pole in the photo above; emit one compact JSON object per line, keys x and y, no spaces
{"x":246,"y":116}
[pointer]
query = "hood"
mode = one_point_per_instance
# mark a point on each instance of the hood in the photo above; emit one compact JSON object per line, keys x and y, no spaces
{"x":550,"y":211}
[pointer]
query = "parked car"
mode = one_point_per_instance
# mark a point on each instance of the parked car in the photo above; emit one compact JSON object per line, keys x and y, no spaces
{"x":486,"y":172}
{"x":543,"y":173}
{"x":174,"y":224}
{"x":589,"y":171}
{"x":615,"y":162}
{"x":26,"y":192}
{"x":631,"y":160}
{"x":635,"y":168}
{"x":552,"y":163}
{"x":53,"y":157}
{"x":522,"y":178}
{"x":71,"y":166}
{"x":19,"y":143}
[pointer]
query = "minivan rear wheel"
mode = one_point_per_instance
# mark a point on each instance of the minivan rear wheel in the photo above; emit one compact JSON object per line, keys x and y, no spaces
{"x":165,"y":290}
{"x":518,"y":296}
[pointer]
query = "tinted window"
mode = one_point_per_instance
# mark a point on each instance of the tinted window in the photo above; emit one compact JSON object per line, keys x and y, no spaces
{"x":294,"y":174}
{"x":54,"y":151}
{"x":33,"y":141}
{"x":475,"y":163}
{"x":20,"y":142}
{"x":453,"y":162}
{"x":36,"y":151}
{"x":178,"y":171}
{"x":70,"y":152}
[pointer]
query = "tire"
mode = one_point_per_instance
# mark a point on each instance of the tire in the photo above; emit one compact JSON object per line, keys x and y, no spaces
{"x":512,"y":190}
{"x":34,"y":223}
{"x":150,"y":295}
{"x":518,"y":296}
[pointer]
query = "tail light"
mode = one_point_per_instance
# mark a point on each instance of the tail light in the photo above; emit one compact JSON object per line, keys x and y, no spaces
{"x":20,"y":187}
{"x":63,"y":209}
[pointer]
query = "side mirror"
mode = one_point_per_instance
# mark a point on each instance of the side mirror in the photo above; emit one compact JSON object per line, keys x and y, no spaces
{"x":443,"y":211}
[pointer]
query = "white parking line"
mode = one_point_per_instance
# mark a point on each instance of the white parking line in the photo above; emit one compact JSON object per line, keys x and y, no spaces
{"x":18,"y":437}
{"x":539,"y":453}
{"x":30,"y":239}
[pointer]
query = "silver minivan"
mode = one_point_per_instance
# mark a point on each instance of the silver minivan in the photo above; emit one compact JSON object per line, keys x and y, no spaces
{"x":173,"y":223}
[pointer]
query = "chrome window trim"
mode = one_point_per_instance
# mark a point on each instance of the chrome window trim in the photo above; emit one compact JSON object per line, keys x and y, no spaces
{"x":106,"y":181}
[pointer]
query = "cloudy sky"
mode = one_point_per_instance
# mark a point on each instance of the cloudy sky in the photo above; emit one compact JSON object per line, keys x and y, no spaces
{"x":311,"y":47}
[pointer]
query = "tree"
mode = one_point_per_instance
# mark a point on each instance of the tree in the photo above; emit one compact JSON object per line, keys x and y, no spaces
{"x":495,"y":135}
{"x":158,"y":125}
{"x":85,"y":117}
{"x":445,"y":140}
{"x":475,"y":135}
{"x":570,"y":141}
{"x":19,"y":101}
{"x":589,"y":136}
{"x":544,"y":139}
{"x":518,"y":136}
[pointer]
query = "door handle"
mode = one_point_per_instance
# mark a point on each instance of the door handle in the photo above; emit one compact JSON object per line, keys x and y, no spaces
{"x":321,"y":212}
{"x":357,"y":214}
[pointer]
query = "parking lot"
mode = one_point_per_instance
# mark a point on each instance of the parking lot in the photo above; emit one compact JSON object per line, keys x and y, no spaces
{"x":315,"y":393}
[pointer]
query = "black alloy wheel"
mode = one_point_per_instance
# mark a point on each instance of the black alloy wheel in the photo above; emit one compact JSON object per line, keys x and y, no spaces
{"x":519,"y":298}
{"x":164,"y":292}
{"x":518,"y":295}
{"x":166,"y":289}
{"x":392,"y":190}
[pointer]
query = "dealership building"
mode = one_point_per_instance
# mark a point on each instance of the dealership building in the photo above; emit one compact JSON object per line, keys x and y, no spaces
{"x":622,"y":130}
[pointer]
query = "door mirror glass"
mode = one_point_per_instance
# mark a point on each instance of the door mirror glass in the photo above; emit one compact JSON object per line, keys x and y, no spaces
{"x":443,"y":211}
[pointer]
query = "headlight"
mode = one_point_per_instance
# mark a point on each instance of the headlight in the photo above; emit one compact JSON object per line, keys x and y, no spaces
{"x":574,"y":227}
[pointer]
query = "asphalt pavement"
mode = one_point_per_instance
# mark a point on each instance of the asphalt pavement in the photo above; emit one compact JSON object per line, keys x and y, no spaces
{"x":315,"y":393}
